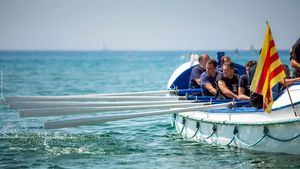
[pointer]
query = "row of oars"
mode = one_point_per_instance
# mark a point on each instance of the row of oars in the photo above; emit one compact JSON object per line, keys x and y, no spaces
{"x":43,"y":106}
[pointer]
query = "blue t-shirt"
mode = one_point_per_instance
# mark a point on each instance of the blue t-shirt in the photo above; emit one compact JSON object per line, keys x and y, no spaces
{"x":196,"y":73}
{"x":207,"y":79}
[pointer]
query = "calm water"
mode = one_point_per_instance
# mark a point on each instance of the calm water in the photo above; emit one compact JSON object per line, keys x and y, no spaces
{"x":137,"y":143}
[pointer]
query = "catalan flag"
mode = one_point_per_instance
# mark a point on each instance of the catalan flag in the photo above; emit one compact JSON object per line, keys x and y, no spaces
{"x":269,"y":71}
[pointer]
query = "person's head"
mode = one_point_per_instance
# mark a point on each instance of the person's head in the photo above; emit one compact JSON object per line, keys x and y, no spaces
{"x":211,"y":67}
{"x":225,"y":59}
{"x":286,"y":70}
{"x":228,"y":70}
{"x":203,"y":60}
{"x":295,"y":50}
{"x":248,"y":66}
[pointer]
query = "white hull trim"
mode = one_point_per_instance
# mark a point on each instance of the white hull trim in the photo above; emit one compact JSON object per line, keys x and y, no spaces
{"x":280,"y":135}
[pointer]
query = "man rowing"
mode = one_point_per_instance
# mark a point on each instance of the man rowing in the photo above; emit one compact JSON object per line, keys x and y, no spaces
{"x":227,"y":82}
{"x":197,"y":71}
{"x":208,"y":79}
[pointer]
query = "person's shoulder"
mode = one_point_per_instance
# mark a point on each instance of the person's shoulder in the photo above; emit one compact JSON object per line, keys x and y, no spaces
{"x":219,"y":76}
{"x":197,"y":68}
{"x":204,"y":74}
{"x":243,"y":76}
{"x":243,"y":80}
{"x":237,"y":76}
{"x":204,"y":78}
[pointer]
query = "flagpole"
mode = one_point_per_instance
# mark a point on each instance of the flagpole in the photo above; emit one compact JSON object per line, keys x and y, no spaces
{"x":287,"y":89}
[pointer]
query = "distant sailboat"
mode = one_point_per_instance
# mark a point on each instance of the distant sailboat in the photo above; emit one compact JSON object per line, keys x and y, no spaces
{"x":252,"y":48}
{"x":104,"y":48}
{"x":236,"y":50}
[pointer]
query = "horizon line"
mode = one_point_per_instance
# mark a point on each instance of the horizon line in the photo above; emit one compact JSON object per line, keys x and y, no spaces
{"x":125,"y":50}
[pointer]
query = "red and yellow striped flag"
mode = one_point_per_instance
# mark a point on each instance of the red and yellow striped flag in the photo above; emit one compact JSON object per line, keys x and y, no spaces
{"x":269,"y":71}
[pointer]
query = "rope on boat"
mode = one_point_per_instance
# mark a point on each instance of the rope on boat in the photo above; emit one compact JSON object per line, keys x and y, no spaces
{"x":235,"y":131}
{"x":214,"y":128}
{"x":266,"y":133}
{"x":183,"y":125}
{"x":279,"y":139}
{"x":198,"y":127}
{"x":247,"y":144}
{"x":173,"y":118}
{"x":228,"y":144}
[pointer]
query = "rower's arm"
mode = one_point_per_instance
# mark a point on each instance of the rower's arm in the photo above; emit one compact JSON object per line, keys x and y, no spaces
{"x":226,"y":91}
{"x":210,"y":88}
{"x":242,"y":95}
{"x":198,"y":81}
{"x":290,"y":81}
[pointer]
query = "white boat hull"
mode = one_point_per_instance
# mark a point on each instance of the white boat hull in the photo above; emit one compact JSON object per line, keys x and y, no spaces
{"x":277,"y":132}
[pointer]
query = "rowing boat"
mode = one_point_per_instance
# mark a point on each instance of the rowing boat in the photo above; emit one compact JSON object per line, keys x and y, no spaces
{"x":242,"y":127}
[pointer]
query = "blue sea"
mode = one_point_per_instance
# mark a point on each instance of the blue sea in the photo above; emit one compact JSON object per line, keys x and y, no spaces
{"x":136,"y":143}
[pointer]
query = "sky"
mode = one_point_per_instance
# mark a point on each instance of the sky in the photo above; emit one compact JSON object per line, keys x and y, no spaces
{"x":146,"y":24}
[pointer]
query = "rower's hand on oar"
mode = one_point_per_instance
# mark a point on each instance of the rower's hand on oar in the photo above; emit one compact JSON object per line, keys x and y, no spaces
{"x":232,"y":105}
{"x":173,"y":92}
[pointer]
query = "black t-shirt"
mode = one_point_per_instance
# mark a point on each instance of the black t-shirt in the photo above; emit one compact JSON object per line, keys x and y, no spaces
{"x":232,"y":85}
{"x":244,"y":83}
{"x":196,"y":73}
{"x":251,"y":74}
{"x":255,"y":99}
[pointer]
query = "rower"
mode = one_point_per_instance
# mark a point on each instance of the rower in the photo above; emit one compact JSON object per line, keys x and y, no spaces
{"x":208,"y":79}
{"x":197,"y":71}
{"x":278,"y":88}
{"x":244,"y":85}
{"x":295,"y":58}
{"x":227,"y":83}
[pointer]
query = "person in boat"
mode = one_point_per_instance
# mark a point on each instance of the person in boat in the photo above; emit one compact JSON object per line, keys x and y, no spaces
{"x":224,"y":59}
{"x":256,"y":100}
{"x":281,"y":86}
{"x":197,"y":71}
{"x":244,"y":85}
{"x":208,"y":79}
{"x":288,"y":79}
{"x":227,"y":82}
{"x":295,"y":58}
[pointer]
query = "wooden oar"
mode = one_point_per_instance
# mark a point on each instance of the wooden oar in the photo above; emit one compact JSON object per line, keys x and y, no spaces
{"x":11,"y":99}
{"x":82,"y":110}
{"x":60,"y":104}
{"x":101,"y":119}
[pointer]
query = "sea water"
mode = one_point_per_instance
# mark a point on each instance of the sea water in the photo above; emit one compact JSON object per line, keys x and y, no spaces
{"x":148,"y":142}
